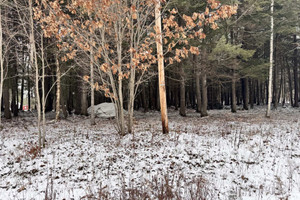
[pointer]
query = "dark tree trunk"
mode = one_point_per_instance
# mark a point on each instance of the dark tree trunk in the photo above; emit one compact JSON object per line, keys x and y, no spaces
{"x":227,"y":96}
{"x":151,"y":101}
{"x":157,"y":96}
{"x":198,"y":91}
{"x":219,"y":104}
{"x":283,"y":86}
{"x":245,"y":93}
{"x":14,"y":91}
{"x":290,"y":83}
{"x":22,"y":91}
{"x":64,"y":106}
{"x":203,"y":95}
{"x":182,"y":110}
{"x":275,"y":77}
{"x":192,"y":95}
{"x":239,"y":96}
{"x":77,"y":97}
{"x":251,"y":93}
{"x":233,"y":94}
{"x":48,"y":84}
{"x":7,"y":113}
{"x":84,"y":99}
{"x":258,"y":93}
{"x":144,"y":98}
{"x":280,"y":86}
{"x":275,"y":85}
{"x":70,"y":100}
{"x":14,"y":107}
{"x":28,"y":89}
{"x":295,"y":69}
{"x":176,"y":97}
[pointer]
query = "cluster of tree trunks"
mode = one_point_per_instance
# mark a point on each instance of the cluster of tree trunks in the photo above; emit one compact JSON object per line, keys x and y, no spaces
{"x":200,"y":92}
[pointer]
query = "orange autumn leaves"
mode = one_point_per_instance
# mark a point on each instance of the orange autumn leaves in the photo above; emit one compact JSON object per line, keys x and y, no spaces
{"x":73,"y":24}
{"x":177,"y":35}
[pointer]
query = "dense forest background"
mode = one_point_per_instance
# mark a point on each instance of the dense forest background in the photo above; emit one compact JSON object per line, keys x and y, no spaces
{"x":230,"y":69}
{"x":213,"y":67}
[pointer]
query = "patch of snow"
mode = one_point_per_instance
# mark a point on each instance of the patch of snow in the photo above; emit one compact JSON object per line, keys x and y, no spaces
{"x":240,"y":155}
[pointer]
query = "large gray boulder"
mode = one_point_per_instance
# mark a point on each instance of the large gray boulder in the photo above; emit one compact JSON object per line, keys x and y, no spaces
{"x":104,"y":110}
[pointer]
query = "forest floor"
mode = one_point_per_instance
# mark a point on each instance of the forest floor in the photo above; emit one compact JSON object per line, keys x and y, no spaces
{"x":222,"y":156}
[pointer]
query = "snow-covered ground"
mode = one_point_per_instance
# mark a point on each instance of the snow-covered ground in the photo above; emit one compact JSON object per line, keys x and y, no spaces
{"x":223,"y":156}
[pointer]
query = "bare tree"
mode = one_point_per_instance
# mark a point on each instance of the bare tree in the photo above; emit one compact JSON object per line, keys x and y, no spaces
{"x":58,"y":86}
{"x":1,"y":60}
{"x":271,"y":61}
{"x":161,"y":72}
{"x":34,"y":62}
{"x":92,"y":85}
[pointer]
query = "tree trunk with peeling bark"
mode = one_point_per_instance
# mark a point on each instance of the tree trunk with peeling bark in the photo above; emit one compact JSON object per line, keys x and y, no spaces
{"x":161,"y":71}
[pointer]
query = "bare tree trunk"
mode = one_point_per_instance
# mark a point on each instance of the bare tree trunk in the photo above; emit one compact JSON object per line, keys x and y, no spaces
{"x":182,"y":110}
{"x":233,"y":93}
{"x":144,"y":98}
{"x":258,"y":93}
{"x":271,"y":61}
{"x":290,"y":82}
{"x":275,"y":77}
{"x":28,"y":89}
{"x":33,"y":61}
{"x":22,"y":91}
{"x":1,"y":63}
{"x":120,"y":85}
{"x":283,"y":87}
{"x":176,"y":97}
{"x":43,"y":96}
{"x":151,"y":95}
{"x":245,"y":86}
{"x":198,"y":89}
{"x":161,"y":72}
{"x":131,"y":92}
{"x":84,"y":100}
{"x":131,"y":100}
{"x":204,"y":95}
{"x":77,"y":96}
{"x":7,"y":113}
{"x":279,"y":93}
{"x":120,"y":107}
{"x":157,"y":95}
{"x":251,"y":93}
{"x":14,"y":90}
{"x":92,"y":86}
{"x":295,"y":69}
{"x":14,"y":95}
{"x":58,"y":85}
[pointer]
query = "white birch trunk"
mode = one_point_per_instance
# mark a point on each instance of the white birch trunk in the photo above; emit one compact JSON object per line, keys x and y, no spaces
{"x":33,"y":60}
{"x":271,"y":61}
{"x":43,"y":95}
